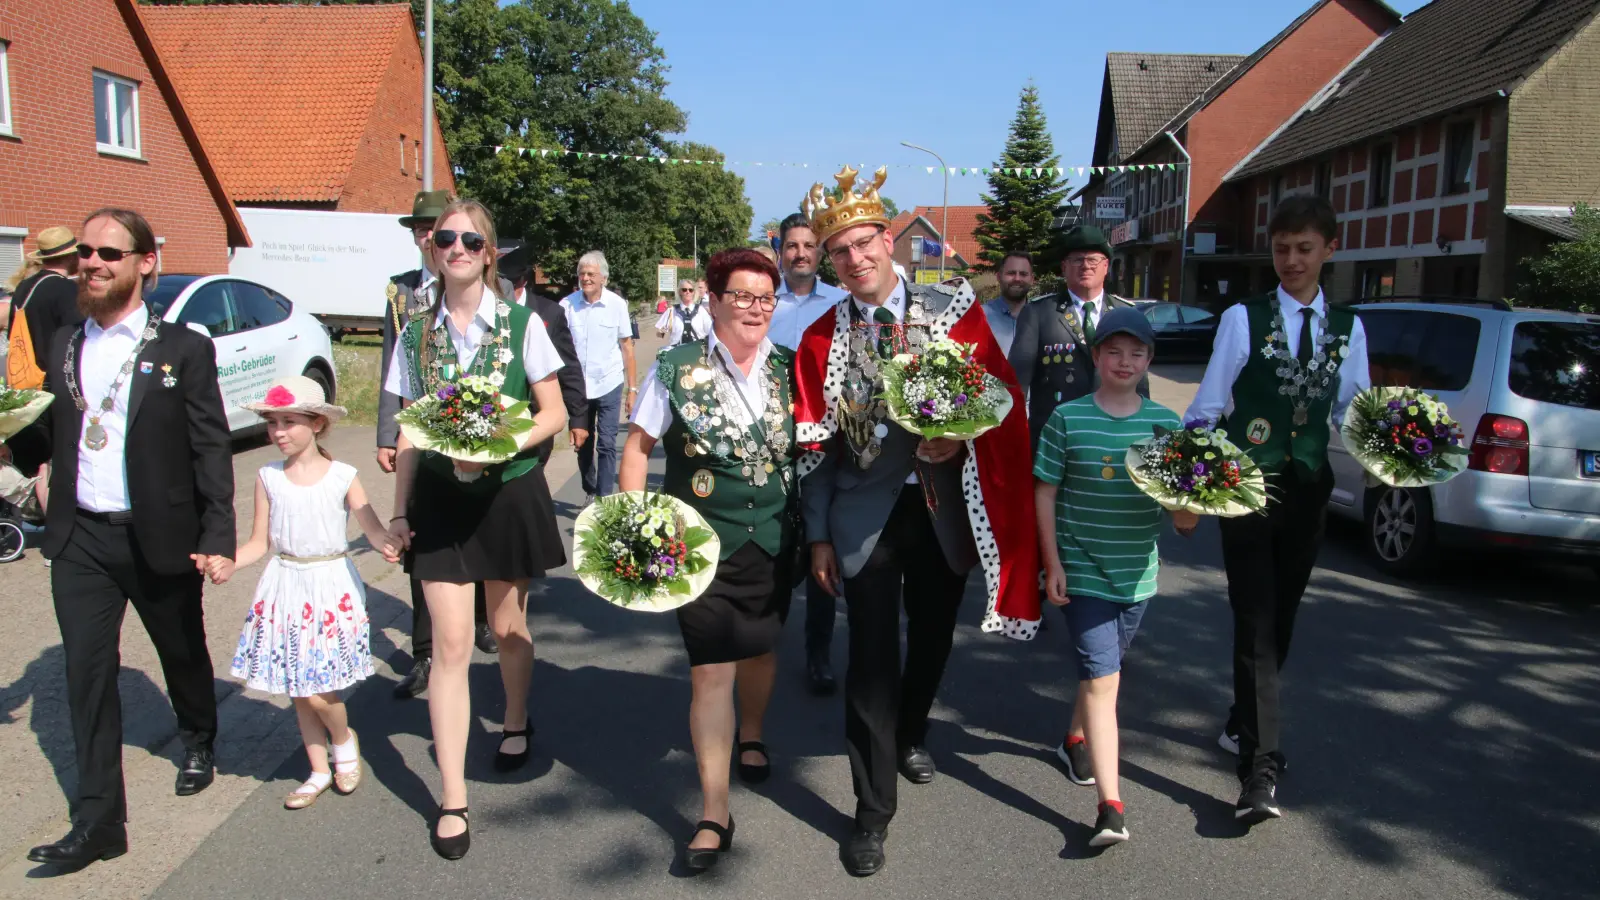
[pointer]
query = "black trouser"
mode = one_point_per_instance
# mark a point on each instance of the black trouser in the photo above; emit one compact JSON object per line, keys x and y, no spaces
{"x":884,"y":709}
{"x":1269,"y":559}
{"x":97,"y":573}
{"x":422,"y":623}
{"x":821,"y":608}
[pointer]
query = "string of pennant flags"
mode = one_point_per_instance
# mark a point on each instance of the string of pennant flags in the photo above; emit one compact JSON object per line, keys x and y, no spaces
{"x":1017,"y":171}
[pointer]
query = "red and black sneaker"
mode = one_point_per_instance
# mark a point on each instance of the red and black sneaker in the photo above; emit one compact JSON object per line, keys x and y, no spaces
{"x":1109,"y":827}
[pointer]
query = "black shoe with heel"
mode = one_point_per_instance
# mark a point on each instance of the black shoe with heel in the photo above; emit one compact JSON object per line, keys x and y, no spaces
{"x":456,"y":846}
{"x":752,"y":774}
{"x":508,"y":762}
{"x":702,"y":858}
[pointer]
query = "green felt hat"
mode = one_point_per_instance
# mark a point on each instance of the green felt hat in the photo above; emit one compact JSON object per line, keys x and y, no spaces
{"x":1086,"y":237}
{"x":425,"y":209}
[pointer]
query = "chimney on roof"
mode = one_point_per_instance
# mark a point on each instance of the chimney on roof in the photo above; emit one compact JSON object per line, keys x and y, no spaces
{"x":1143,"y":67}
{"x":1211,"y":66}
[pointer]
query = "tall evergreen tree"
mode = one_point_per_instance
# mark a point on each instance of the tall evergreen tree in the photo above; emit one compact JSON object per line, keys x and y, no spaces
{"x":1022,"y":206}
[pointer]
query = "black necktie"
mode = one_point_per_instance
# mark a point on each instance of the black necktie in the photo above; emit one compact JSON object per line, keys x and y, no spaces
{"x":1304,"y":352}
{"x":885,"y":320}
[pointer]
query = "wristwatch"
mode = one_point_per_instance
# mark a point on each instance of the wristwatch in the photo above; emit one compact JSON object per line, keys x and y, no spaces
{"x":633,"y":390}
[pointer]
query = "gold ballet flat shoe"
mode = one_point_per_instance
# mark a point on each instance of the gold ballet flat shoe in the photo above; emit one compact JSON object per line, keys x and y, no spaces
{"x":301,"y":798}
{"x":347,"y":782}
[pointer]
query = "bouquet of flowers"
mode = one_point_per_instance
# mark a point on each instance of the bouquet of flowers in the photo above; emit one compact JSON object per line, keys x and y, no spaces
{"x":468,"y":421}
{"x":1197,"y":469}
{"x":1404,"y":437}
{"x":644,"y":551}
{"x":944,"y":392}
{"x":18,"y":409}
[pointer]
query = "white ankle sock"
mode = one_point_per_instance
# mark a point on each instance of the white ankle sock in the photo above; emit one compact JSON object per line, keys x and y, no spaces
{"x":345,"y":758}
{"x":315,"y":783}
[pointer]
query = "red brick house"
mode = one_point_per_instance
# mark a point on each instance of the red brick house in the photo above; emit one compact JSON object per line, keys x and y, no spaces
{"x":923,"y":222}
{"x":90,"y":118}
{"x":313,"y":107}
{"x":1177,"y":212}
{"x":1452,"y":150}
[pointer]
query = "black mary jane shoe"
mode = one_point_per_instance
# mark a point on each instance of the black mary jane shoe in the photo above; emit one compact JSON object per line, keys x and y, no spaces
{"x":510,"y":762}
{"x":752,"y":774}
{"x":700,"y":859}
{"x":456,"y":846}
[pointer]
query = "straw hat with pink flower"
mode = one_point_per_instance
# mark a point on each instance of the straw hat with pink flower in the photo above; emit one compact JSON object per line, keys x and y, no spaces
{"x":298,"y":394}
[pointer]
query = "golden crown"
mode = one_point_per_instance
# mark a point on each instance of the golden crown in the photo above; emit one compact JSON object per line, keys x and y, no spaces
{"x":829,"y":217}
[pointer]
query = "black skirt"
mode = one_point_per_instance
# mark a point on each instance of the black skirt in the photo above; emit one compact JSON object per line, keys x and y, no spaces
{"x":466,"y":533}
{"x":741,"y":614}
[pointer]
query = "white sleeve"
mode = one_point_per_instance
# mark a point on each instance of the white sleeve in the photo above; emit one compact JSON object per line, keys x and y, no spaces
{"x":663,"y":320}
{"x":539,"y":357}
{"x":1355,"y":375}
{"x":702,"y":320}
{"x":652,"y":412}
{"x":397,"y":380}
{"x":623,"y":321}
{"x":1229,"y":352}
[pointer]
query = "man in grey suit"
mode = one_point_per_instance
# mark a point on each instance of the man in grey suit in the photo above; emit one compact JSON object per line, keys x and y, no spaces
{"x":1051,"y":350}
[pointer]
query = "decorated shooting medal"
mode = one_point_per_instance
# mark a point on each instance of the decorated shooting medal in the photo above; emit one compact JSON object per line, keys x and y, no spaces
{"x":1304,"y":383}
{"x":94,"y":436}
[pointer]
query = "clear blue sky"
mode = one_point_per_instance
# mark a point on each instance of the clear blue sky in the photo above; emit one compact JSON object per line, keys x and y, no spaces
{"x":831,"y":81}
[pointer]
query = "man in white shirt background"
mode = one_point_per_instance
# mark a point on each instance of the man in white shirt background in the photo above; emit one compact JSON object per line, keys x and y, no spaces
{"x":602,"y":334}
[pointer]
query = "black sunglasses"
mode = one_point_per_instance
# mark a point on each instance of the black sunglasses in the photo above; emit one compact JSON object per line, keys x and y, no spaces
{"x":109,"y":254}
{"x":444,"y":239}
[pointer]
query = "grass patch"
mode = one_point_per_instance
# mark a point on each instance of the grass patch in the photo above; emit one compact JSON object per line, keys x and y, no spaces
{"x":357,"y":362}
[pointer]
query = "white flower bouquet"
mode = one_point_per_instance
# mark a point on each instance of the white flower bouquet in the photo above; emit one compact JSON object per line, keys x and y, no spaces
{"x":468,"y":420}
{"x":944,"y":392}
{"x":1197,"y":469}
{"x":1404,"y":437}
{"x":19,"y":408}
{"x":644,"y":551}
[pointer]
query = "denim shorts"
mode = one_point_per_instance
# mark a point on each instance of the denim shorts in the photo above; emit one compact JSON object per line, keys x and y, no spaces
{"x":1101,"y":631}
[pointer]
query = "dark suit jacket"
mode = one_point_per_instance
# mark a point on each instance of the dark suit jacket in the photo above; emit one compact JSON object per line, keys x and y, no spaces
{"x":179,"y":454}
{"x":1043,"y":323}
{"x":570,"y":375}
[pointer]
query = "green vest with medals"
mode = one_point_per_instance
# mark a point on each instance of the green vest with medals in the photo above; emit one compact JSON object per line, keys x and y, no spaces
{"x":1276,"y":418}
{"x":432,"y":357}
{"x":741,"y":479}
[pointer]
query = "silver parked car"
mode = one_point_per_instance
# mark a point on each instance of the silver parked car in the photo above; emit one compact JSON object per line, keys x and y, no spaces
{"x":1525,"y":386}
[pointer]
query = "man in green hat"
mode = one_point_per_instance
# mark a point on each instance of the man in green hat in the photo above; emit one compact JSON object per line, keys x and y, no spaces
{"x":1050,"y":352}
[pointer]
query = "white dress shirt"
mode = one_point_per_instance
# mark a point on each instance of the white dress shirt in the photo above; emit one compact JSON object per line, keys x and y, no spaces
{"x":672,"y":323}
{"x":103,"y":473}
{"x":654,"y":414}
{"x":539,"y":357}
{"x":598,"y":329}
{"x":796,"y":312}
{"x":1232,"y":350}
{"x":1093,"y":319}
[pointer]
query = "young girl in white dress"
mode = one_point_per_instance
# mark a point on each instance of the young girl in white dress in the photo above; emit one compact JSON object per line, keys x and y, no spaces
{"x":306,"y":632}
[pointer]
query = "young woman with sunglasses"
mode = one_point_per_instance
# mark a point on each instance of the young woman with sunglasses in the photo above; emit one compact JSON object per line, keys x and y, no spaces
{"x":498,"y":528}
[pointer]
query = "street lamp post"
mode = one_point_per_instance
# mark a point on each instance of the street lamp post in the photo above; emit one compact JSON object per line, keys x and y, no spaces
{"x":427,"y":98}
{"x":944,"y":217}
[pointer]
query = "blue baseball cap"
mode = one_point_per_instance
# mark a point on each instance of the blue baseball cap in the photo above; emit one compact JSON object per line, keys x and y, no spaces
{"x":1124,"y":320}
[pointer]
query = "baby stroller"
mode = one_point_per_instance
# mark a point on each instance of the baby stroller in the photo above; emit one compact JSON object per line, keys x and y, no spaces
{"x":19,"y":512}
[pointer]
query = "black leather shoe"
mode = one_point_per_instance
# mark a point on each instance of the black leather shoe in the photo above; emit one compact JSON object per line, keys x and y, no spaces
{"x":508,"y":762}
{"x":700,"y":859}
{"x":451,"y":847}
{"x":862,"y":854}
{"x":916,"y":764}
{"x":819,"y":678}
{"x":197,"y":772}
{"x":83,"y":845}
{"x":416,"y":680}
{"x":752,"y":774}
{"x":484,"y":638}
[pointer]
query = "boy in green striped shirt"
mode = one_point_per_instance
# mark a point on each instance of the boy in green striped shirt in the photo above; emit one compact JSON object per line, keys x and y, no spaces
{"x":1097,"y":538}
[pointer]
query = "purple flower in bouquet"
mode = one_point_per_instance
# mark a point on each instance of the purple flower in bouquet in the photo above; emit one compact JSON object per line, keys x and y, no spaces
{"x":927,"y":408}
{"x":1186,"y":484}
{"x":1383,"y":424}
{"x":1422,"y":446}
{"x":1396,"y":418}
{"x":1396,"y":404}
{"x":1441,"y":431}
{"x":488,"y":408}
{"x":1199,"y":468}
{"x":1197,"y":423}
{"x":960,"y":401}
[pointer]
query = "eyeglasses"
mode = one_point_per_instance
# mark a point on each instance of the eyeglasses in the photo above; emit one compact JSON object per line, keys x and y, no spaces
{"x":444,"y":239}
{"x":841,"y":255}
{"x":109,"y":254}
{"x":745,"y":300}
{"x":1087,"y":262}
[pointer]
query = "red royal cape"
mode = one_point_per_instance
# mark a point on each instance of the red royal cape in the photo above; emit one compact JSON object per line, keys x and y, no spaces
{"x":997,"y":473}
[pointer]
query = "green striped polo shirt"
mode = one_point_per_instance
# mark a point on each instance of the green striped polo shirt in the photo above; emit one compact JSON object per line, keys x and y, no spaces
{"x":1106,"y":528}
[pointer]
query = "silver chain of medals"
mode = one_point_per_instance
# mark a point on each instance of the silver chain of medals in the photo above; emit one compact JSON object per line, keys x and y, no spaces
{"x":734,"y":443}
{"x":861,"y":410}
{"x":94,"y":437}
{"x":1303,"y":384}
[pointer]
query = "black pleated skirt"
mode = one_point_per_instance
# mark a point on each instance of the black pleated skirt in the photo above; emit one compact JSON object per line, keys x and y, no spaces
{"x":466,"y":533}
{"x":741,"y":614}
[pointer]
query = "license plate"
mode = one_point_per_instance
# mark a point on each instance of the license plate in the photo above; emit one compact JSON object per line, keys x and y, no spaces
{"x":1591,"y":463}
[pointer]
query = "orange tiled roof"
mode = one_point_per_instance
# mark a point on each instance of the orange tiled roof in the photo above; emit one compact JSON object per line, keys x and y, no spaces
{"x":279,"y":94}
{"x":963,"y":222}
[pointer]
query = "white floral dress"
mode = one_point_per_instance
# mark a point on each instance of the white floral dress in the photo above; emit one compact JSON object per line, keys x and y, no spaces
{"x":306,"y":632}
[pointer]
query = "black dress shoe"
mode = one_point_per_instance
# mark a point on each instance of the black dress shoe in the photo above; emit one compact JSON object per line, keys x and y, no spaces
{"x":700,"y":859}
{"x":416,"y":680}
{"x":752,"y":774}
{"x":197,"y":772}
{"x":484,"y":638}
{"x":819,"y":678}
{"x":83,"y":845}
{"x":508,"y":762}
{"x":862,"y":854}
{"x":451,"y":847}
{"x":916,"y":764}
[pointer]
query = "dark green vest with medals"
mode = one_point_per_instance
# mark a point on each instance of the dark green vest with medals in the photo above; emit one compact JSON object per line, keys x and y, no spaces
{"x":741,"y":479}
{"x":1280,"y":405}
{"x":433,"y":365}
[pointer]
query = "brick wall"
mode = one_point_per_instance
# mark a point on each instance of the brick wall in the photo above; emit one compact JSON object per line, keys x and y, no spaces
{"x":50,"y":171}
{"x":382,"y":177}
{"x":1554,"y":140}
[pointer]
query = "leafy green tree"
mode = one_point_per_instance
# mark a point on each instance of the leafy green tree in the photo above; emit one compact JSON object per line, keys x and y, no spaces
{"x":709,"y":198}
{"x":1022,"y":207}
{"x":1568,"y":275}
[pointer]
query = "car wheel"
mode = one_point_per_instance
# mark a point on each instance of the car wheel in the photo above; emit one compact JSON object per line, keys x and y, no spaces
{"x":321,"y":378}
{"x":1400,"y":529}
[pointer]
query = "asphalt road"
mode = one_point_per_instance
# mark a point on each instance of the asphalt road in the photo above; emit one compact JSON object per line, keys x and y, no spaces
{"x":1443,"y":739}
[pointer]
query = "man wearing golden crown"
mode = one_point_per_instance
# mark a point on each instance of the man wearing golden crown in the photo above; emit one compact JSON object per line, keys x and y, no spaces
{"x":888,"y":514}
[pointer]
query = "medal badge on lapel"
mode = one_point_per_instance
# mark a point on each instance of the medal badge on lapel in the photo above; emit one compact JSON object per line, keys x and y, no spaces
{"x":167,"y":378}
{"x":145,"y":368}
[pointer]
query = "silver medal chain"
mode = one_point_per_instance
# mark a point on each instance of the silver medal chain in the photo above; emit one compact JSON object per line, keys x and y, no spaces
{"x":1302,"y":384}
{"x":95,"y":437}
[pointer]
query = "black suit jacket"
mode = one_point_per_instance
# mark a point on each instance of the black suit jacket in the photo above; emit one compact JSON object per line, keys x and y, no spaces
{"x":1043,"y":323}
{"x":178,"y":452}
{"x":573,"y":391}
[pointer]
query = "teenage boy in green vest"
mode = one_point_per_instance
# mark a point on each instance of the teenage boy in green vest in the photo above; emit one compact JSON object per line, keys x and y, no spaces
{"x":1282,"y":366}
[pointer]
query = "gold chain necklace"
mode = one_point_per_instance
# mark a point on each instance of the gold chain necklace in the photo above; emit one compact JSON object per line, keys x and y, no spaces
{"x":95,"y":437}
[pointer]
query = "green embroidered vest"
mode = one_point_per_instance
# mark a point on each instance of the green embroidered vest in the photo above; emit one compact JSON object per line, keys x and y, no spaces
{"x":415,"y":341}
{"x":713,"y":483}
{"x":1262,"y":421}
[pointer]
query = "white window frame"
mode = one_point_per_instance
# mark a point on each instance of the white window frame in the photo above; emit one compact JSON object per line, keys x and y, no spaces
{"x":115,"y":148}
{"x":6,"y":126}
